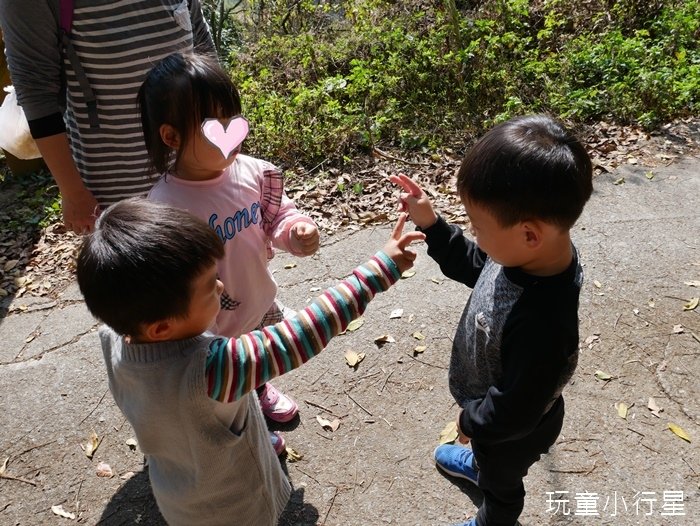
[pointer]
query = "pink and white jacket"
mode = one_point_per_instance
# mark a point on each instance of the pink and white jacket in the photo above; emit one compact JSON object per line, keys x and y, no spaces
{"x":248,"y":209}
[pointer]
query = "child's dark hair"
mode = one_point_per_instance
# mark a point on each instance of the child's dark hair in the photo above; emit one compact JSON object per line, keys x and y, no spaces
{"x":140,"y":263}
{"x":528,"y":168}
{"x":182,"y":90}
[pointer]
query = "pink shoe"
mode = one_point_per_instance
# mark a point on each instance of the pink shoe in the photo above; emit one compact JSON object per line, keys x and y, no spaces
{"x":277,"y":406}
{"x":278,"y":442}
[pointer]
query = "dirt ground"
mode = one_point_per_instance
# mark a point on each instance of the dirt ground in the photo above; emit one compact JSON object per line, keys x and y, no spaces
{"x":639,"y":240}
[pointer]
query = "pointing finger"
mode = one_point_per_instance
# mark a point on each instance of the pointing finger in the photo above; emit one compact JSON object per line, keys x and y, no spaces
{"x":409,"y":237}
{"x":408,"y":184}
{"x":398,"y":228}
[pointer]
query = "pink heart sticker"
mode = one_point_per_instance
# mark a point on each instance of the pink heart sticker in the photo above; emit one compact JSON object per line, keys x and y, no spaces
{"x":226,"y":138}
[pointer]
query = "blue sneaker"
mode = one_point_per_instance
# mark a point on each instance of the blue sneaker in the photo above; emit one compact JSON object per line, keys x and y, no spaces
{"x":471,"y":522}
{"x":457,"y":461}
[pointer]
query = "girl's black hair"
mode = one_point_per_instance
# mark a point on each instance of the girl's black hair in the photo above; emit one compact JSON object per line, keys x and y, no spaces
{"x":182,"y":90}
{"x":529,"y":167}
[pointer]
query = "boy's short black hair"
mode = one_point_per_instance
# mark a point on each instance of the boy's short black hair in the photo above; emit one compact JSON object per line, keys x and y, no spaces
{"x":528,"y":168}
{"x":140,"y":263}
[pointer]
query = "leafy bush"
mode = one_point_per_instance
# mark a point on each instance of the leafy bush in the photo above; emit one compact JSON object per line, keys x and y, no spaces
{"x":323,"y":79}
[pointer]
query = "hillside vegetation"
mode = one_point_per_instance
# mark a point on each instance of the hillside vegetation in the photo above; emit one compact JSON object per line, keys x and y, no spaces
{"x":328,"y":80}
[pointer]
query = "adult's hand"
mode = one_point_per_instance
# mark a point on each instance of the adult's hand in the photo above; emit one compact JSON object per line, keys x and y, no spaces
{"x":80,"y":210}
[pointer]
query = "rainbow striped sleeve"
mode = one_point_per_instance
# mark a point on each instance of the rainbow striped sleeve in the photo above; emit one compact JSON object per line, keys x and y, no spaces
{"x":235,"y":367}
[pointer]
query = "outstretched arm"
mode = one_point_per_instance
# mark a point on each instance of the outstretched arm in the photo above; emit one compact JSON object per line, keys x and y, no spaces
{"x":236,"y":366}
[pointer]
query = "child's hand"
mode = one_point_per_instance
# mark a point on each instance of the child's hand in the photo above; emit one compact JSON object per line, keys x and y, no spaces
{"x":397,"y":246}
{"x":305,"y":238}
{"x":461,"y":437}
{"x":414,"y":201}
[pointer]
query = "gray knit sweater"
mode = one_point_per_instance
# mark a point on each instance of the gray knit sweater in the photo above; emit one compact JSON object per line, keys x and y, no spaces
{"x":203,"y":470}
{"x":193,"y":407}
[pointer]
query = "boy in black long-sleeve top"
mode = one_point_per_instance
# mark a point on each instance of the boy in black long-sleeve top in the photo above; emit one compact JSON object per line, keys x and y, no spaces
{"x":523,"y":186}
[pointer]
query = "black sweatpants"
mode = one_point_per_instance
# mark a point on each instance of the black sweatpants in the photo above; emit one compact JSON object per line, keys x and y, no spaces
{"x":503,"y":466}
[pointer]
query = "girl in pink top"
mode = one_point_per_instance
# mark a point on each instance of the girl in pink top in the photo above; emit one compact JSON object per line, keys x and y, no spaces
{"x":193,"y":129}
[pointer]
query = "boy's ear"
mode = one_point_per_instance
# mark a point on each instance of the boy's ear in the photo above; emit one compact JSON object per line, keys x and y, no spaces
{"x":158,"y":331}
{"x":533,"y":234}
{"x":169,"y":136}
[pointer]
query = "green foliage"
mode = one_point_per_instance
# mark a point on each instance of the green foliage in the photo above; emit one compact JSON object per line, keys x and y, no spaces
{"x":324,"y":79}
{"x":35,"y":200}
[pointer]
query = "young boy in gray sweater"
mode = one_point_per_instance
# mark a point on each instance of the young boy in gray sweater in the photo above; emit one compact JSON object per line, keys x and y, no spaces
{"x":523,"y":186}
{"x":148,"y":271}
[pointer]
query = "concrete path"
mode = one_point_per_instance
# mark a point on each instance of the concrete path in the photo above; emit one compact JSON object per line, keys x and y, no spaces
{"x":639,"y":239}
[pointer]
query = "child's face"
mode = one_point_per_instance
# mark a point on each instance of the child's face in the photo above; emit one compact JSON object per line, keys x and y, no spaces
{"x":205,"y":303}
{"x":203,"y":155}
{"x":505,"y":245}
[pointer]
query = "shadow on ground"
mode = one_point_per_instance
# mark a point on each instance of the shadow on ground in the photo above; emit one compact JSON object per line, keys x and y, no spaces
{"x":134,"y":503}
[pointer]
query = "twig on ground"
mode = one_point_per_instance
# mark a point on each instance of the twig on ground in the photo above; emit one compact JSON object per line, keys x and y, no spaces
{"x":584,"y":471}
{"x":321,"y":407}
{"x":319,"y":377}
{"x":424,"y":362}
{"x":649,"y":447}
{"x":331,"y":506}
{"x":35,"y":447}
{"x":18,"y":479}
{"x":405,"y":161}
{"x":305,"y":473}
{"x":95,"y":408}
{"x":635,"y":431}
{"x":385,"y":381}
{"x":359,"y":404}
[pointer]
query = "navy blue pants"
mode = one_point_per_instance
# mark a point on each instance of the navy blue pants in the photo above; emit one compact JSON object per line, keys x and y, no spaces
{"x":503,"y":466}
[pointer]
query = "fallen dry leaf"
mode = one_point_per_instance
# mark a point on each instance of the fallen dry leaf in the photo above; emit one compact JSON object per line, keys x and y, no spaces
{"x":353,"y":359}
{"x":679,"y":431}
{"x":449,"y":434}
{"x":58,"y":510}
{"x":654,"y":407}
{"x":419,"y":349}
{"x":592,"y":338}
{"x":355,"y":324}
{"x":622,"y":409}
{"x":692,"y":304}
{"x":384,"y":338}
{"x":132,"y":443}
{"x":293,"y":455}
{"x":328,"y":425}
{"x":693,"y":283}
{"x":3,"y":468}
{"x":418,"y":335}
{"x":678,"y":329}
{"x":602,"y":375}
{"x":127,"y":475}
{"x":92,"y":445}
{"x":408,"y":274}
{"x":290,"y":265}
{"x":104,"y":470}
{"x":396,"y":313}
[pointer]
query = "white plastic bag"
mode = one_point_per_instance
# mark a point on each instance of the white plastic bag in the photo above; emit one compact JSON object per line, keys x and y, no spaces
{"x":14,"y":130}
